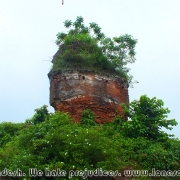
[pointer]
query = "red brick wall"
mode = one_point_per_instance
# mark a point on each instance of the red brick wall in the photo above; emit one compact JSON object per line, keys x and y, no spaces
{"x":74,"y":91}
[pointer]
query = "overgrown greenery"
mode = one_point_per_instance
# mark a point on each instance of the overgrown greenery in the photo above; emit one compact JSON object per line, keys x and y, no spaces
{"x":88,"y":48}
{"x":40,"y":115}
{"x":88,"y":118}
{"x":147,"y":117}
{"x":52,"y":140}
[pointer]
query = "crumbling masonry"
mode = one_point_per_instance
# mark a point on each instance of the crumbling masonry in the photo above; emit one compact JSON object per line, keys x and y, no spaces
{"x":73,"y":91}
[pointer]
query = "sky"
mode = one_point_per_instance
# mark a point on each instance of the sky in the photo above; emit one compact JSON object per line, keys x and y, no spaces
{"x":28,"y":31}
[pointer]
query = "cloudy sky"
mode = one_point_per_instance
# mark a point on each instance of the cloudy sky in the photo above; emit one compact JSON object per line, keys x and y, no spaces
{"x":28,"y":30}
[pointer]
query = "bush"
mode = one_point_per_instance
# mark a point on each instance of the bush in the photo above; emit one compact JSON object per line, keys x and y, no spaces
{"x":147,"y":117}
{"x":58,"y":142}
{"x":87,"y":47}
{"x":88,"y":118}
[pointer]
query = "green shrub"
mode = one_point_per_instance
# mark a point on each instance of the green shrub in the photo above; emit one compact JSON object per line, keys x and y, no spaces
{"x":58,"y":142}
{"x":147,"y":117}
{"x":87,"y":47}
{"x":88,"y":118}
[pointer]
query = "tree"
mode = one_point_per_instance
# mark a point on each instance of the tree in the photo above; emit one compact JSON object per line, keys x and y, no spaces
{"x":147,"y":117}
{"x":8,"y":130}
{"x":58,"y":142}
{"x":88,"y":47}
{"x":40,"y":115}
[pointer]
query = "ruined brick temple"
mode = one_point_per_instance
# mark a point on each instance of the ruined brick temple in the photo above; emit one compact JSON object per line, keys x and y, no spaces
{"x":73,"y":91}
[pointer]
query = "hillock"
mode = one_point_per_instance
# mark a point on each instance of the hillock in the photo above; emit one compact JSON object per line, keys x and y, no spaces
{"x":52,"y":141}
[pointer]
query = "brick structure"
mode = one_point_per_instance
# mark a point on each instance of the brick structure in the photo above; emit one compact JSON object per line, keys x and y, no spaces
{"x":74,"y":91}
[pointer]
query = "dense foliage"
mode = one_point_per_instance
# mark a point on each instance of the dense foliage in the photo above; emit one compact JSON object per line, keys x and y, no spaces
{"x":88,"y":118}
{"x":49,"y":141}
{"x":88,"y":48}
{"x":147,"y":117}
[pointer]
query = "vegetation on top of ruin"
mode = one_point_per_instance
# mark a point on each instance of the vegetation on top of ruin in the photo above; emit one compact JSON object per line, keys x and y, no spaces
{"x":87,"y":47}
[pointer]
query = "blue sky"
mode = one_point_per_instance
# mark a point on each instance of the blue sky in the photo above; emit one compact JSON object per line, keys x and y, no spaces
{"x":28,"y":30}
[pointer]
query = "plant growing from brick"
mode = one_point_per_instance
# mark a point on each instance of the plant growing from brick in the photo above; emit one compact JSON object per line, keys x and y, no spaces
{"x":87,"y":47}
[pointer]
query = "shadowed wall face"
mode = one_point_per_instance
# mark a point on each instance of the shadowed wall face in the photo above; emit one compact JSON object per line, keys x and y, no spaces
{"x":75,"y":91}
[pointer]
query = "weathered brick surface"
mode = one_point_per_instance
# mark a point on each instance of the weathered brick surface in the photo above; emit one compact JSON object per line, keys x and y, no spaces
{"x":74,"y":91}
